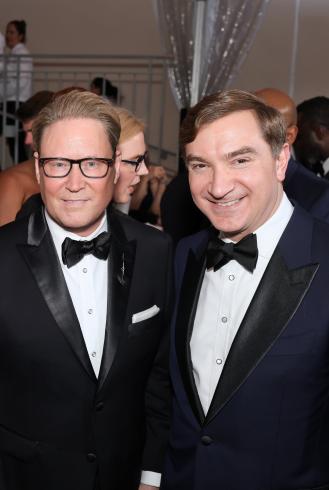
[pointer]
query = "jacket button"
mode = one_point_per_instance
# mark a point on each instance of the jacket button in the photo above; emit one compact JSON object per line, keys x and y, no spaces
{"x":206,"y":440}
{"x":99,"y":406}
{"x":91,"y":457}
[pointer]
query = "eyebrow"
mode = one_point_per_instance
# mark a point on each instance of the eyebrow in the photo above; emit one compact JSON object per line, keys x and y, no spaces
{"x":241,"y":151}
{"x":195,"y":158}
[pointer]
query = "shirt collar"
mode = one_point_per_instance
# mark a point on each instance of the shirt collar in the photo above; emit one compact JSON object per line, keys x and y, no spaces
{"x":59,"y":234}
{"x":325,"y":166}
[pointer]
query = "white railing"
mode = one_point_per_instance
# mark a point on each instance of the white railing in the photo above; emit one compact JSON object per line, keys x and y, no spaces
{"x":141,"y":83}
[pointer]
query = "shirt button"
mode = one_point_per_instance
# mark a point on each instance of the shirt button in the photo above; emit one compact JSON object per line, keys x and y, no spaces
{"x":93,"y":354}
{"x":231,"y":277}
{"x":219,"y":361}
{"x":224,"y":319}
{"x":85,"y":270}
{"x":90,"y":311}
{"x":91,"y":457}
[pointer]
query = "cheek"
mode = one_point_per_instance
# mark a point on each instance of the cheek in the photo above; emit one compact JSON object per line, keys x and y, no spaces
{"x":197,"y":185}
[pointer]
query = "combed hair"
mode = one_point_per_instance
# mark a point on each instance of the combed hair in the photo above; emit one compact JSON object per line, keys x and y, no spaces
{"x":78,"y":105}
{"x":130,"y":124}
{"x":223,"y":103}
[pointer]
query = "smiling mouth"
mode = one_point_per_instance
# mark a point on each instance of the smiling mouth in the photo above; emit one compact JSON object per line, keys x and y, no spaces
{"x":226,"y":204}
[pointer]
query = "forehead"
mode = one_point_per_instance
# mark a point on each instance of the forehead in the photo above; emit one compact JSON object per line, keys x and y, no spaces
{"x":240,"y":127}
{"x":134,"y":145}
{"x":76,"y":138}
{"x":11,"y":28}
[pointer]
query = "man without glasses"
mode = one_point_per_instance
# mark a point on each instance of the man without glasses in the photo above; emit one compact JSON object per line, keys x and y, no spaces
{"x":249,"y":360}
{"x":83,"y":311}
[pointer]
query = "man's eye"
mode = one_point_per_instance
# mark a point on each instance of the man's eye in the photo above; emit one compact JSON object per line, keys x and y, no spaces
{"x":197,"y":166}
{"x":91,"y":164}
{"x":58,"y":164}
{"x":240,"y":162}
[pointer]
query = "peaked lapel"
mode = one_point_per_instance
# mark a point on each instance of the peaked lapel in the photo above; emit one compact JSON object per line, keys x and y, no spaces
{"x":120,"y":271}
{"x":186,"y":310}
{"x":283,"y":286}
{"x":40,"y":255}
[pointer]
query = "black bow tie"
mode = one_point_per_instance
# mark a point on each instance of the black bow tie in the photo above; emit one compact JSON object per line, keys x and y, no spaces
{"x":73,"y":250}
{"x":245,"y":252}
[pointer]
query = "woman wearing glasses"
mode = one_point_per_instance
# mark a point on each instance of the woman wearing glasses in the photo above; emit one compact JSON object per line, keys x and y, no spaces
{"x":133,"y":158}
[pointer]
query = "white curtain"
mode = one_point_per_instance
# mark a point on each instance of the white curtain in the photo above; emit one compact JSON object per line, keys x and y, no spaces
{"x":228,"y":32}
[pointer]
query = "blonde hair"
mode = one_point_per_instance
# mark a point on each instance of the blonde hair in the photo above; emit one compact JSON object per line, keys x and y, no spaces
{"x":78,"y":105}
{"x":130,"y":124}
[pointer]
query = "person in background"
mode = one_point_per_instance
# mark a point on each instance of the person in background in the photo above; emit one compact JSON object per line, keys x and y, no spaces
{"x":312,"y":142}
{"x":102,"y":86}
{"x":300,"y":184}
{"x":14,"y":91}
{"x":84,"y":307}
{"x":146,"y":200}
{"x":19,"y":183}
{"x":2,"y":43}
{"x":134,"y":158}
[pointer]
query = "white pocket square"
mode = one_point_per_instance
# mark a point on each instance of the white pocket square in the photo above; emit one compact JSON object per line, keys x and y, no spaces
{"x":145,"y":314}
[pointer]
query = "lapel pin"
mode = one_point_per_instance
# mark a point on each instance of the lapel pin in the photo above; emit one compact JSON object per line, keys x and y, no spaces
{"x":121,"y":278}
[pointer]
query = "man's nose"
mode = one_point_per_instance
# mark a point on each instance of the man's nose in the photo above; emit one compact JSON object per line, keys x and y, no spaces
{"x":222,"y":182}
{"x":75,"y":181}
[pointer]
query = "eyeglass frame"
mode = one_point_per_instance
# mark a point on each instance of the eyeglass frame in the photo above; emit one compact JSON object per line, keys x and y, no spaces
{"x":109,"y":161}
{"x":138,"y":161}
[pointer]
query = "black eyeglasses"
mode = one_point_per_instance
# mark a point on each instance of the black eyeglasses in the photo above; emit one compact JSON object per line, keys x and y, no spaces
{"x":93,"y":168}
{"x":138,"y":161}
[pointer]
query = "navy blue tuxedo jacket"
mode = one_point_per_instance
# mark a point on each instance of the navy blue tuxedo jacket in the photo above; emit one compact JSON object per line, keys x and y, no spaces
{"x":307,"y":189}
{"x":268,"y":424}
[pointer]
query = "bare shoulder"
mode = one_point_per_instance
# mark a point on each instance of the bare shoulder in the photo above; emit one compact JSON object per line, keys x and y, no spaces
{"x":21,"y":176}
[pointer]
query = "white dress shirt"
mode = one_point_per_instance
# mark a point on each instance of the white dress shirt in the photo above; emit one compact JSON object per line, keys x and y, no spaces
{"x":17,"y":88}
{"x":325,"y":165}
{"x":224,"y":298}
{"x":87,"y":285}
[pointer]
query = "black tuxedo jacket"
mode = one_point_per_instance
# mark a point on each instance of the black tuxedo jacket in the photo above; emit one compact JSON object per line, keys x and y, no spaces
{"x":60,"y":427}
{"x":267,"y":427}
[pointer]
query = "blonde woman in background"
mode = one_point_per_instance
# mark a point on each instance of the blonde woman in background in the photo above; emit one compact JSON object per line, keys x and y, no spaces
{"x":133,"y":158}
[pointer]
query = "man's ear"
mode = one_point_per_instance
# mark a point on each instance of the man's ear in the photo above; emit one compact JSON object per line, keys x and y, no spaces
{"x":36,"y":166}
{"x":117,"y":164}
{"x":282,"y":162}
{"x":291,"y":133}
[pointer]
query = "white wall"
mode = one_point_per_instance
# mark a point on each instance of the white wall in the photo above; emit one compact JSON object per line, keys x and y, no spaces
{"x":269,"y":61}
{"x":128,"y":27}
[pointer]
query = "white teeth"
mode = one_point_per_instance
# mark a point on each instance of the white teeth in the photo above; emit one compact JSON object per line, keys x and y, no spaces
{"x":229,"y":203}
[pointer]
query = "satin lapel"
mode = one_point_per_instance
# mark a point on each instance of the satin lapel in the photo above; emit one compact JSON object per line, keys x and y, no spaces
{"x":120,"y":271}
{"x":278,"y":296}
{"x":41,"y":256}
{"x":190,"y":291}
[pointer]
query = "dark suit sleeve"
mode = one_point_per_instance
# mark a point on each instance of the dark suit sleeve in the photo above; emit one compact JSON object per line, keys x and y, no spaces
{"x":3,"y":486}
{"x":158,"y":392}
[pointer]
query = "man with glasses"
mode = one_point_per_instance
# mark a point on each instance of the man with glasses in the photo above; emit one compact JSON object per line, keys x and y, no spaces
{"x":84,"y":390}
